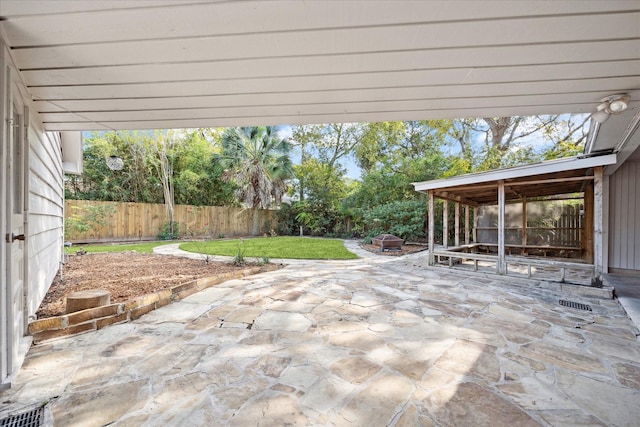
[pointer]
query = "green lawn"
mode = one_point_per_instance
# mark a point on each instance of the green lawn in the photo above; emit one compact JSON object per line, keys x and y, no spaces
{"x":146,"y":247}
{"x":274,"y":247}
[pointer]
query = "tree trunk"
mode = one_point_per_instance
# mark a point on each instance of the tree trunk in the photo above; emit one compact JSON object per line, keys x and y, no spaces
{"x":167,"y":188}
{"x":256,"y":222}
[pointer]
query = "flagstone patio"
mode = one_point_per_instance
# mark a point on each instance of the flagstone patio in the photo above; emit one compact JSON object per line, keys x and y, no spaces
{"x":370,"y":342}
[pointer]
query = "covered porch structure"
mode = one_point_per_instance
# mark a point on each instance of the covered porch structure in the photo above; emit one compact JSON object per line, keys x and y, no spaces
{"x":581,"y":176}
{"x":68,"y":67}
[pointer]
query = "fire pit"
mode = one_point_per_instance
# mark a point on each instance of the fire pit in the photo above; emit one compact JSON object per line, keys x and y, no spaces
{"x":387,"y":241}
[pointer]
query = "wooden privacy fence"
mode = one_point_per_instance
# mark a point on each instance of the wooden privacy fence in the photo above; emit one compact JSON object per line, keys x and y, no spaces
{"x":557,"y":224}
{"x":144,"y":221}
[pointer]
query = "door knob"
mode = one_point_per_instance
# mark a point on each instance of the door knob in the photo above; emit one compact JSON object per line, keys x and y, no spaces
{"x":13,"y":237}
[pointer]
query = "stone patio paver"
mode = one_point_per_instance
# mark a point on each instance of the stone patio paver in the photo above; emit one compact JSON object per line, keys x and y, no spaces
{"x":366,"y":342}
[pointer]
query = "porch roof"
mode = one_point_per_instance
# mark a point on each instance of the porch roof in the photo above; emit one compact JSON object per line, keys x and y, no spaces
{"x":151,"y":64}
{"x":561,"y":176}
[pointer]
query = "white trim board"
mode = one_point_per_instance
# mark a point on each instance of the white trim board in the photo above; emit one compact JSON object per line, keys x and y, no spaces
{"x":541,"y":168}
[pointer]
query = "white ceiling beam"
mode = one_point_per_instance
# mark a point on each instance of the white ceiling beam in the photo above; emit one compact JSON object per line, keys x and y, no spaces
{"x":558,"y":44}
{"x":225,"y":120}
{"x":179,"y":111}
{"x":20,"y":8}
{"x":183,"y":72}
{"x":305,"y":85}
{"x":178,"y":19}
{"x":314,"y":98}
{"x":403,"y":57}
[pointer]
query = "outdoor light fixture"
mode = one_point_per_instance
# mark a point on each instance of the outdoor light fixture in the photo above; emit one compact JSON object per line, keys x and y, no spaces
{"x":613,"y":104}
{"x":115,"y":163}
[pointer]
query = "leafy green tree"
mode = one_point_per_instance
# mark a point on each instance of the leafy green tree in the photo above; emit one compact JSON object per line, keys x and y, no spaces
{"x":257,"y":160}
{"x":567,"y":137}
{"x":395,"y":154}
{"x":377,"y":143}
{"x":380,"y":187}
{"x":204,"y":165}
{"x":337,"y":142}
{"x":197,"y":178}
{"x":324,"y":184}
{"x":327,"y":144}
{"x":326,"y":187}
{"x":507,"y":141}
{"x":393,"y":144}
{"x":304,"y":137}
{"x":137,"y":182}
{"x":164,"y":160}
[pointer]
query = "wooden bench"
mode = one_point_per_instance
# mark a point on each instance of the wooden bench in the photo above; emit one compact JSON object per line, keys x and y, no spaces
{"x":524,"y":249}
{"x":461,"y":255}
{"x":465,"y":252}
{"x":562,"y":265}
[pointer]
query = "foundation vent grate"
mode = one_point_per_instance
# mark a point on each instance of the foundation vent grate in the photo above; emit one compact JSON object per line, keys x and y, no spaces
{"x":577,"y":305}
{"x":31,"y":418}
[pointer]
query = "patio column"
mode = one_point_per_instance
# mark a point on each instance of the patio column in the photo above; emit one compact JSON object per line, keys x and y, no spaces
{"x":432,"y":228}
{"x":587,"y":229}
{"x":524,"y":225}
{"x":466,"y":224}
{"x":475,"y":223}
{"x":457,"y":224}
{"x":445,"y":224}
{"x":598,"y":222}
{"x":501,"y":253}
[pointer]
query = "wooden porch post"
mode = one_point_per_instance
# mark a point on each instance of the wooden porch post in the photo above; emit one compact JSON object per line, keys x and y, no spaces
{"x":598,"y":222}
{"x":457,"y":224}
{"x":466,"y":224}
{"x":587,"y":231}
{"x":445,"y":224}
{"x":475,"y":223}
{"x":501,"y":209}
{"x":432,"y":228}
{"x":524,"y":226}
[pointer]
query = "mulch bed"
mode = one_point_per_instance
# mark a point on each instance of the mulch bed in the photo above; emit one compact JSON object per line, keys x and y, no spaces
{"x":125,"y":275}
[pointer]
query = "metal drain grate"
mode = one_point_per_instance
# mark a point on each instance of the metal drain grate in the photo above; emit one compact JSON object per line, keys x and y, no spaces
{"x":32,"y":418}
{"x":572,"y":304}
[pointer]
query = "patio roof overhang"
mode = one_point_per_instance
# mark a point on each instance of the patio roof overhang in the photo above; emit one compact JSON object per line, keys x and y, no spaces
{"x":152,"y":64}
{"x":561,"y":176}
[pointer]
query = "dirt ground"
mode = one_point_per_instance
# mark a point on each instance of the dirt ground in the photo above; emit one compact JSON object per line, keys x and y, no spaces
{"x":124,"y":275}
{"x":129,"y":274}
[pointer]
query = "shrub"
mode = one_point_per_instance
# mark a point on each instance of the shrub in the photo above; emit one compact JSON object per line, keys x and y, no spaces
{"x":238,"y":259}
{"x":87,"y":219}
{"x":286,"y":217}
{"x":169,"y":231}
{"x":404,"y":219}
{"x":316,"y":219}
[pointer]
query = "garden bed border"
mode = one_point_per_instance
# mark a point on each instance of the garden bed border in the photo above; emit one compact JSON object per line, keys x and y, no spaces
{"x":93,"y":319}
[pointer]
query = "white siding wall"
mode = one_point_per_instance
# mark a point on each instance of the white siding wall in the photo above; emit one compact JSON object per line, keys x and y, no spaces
{"x":46,"y":204}
{"x":624,"y":216}
{"x":43,"y":220}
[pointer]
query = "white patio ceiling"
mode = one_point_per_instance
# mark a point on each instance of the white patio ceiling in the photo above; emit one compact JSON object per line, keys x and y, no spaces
{"x":143,"y":64}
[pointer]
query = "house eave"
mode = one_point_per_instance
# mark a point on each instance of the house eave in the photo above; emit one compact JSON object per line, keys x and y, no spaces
{"x":541,"y":168}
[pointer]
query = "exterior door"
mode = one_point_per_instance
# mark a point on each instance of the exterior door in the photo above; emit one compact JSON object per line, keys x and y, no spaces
{"x":14,"y":164}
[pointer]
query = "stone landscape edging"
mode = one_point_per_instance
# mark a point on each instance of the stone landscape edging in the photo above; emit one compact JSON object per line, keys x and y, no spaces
{"x":93,"y":319}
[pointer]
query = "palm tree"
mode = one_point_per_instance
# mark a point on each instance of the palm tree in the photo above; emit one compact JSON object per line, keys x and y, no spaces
{"x":257,"y":160}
